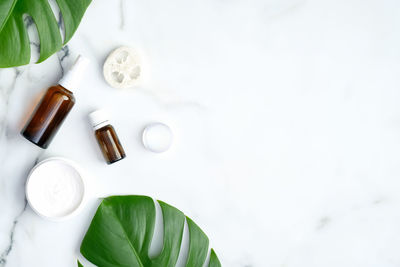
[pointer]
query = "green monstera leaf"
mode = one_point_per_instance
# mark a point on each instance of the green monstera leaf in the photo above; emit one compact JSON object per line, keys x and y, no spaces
{"x":121,"y":231}
{"x":14,"y":40}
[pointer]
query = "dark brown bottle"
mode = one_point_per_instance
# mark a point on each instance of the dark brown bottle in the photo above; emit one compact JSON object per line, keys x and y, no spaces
{"x":106,"y":137}
{"x":48,"y":116}
{"x":54,"y":107}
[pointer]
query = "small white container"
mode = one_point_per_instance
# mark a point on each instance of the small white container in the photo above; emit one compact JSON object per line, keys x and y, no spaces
{"x":157,"y":137}
{"x":56,"y":189}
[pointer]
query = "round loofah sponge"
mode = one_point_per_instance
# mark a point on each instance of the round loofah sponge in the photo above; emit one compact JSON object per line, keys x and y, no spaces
{"x":122,"y":68}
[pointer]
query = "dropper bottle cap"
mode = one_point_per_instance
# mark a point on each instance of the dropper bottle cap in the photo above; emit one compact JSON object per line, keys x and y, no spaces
{"x":99,"y":118}
{"x":73,"y":77}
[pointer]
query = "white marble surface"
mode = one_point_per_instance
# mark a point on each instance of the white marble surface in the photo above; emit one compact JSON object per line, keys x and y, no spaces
{"x":286,"y":119}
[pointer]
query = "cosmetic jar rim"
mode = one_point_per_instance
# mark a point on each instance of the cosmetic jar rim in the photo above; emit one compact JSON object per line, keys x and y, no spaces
{"x":78,"y":170}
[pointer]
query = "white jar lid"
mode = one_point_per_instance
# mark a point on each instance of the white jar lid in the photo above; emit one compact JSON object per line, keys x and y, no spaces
{"x":55,"y":189}
{"x":157,"y":137}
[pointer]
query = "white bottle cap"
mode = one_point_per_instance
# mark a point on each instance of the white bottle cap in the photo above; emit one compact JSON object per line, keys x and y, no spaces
{"x":157,"y":137}
{"x":74,"y":75}
{"x":99,"y":118}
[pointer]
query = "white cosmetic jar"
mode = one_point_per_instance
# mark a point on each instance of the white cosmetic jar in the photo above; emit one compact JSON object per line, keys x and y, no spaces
{"x":55,"y":188}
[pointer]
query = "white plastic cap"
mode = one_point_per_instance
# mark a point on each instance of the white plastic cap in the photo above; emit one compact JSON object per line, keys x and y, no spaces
{"x":99,"y":118}
{"x":157,"y":137}
{"x":73,"y":77}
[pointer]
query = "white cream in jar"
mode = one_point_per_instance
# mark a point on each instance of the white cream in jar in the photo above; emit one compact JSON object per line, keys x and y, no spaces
{"x":55,"y":188}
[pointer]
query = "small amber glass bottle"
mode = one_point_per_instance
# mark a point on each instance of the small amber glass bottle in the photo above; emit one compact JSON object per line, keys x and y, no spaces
{"x":54,"y":107}
{"x":106,"y":137}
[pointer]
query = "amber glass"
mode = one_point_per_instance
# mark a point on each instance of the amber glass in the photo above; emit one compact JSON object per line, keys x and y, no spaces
{"x":48,"y":116}
{"x":109,"y":144}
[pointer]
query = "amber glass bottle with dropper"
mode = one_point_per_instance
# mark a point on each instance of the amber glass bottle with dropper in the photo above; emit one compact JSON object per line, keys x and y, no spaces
{"x":54,"y":107}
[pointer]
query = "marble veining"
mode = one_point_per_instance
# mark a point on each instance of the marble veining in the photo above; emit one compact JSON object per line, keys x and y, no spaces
{"x":122,"y":15}
{"x":62,"y":55}
{"x":6,"y":94}
{"x":8,"y":249}
{"x":3,"y":256}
